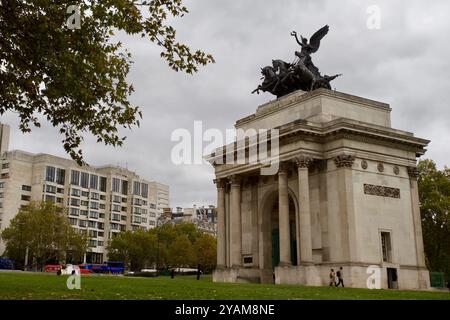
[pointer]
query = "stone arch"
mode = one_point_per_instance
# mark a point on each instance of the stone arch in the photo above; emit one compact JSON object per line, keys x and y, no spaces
{"x":267,"y":202}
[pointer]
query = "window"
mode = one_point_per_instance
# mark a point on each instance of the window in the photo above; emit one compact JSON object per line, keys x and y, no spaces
{"x":102,"y":206}
{"x":1,"y":194}
{"x":152,"y":223}
{"x":101,"y":234}
{"x":137,"y":201}
{"x":50,"y":198}
{"x":4,"y":175}
{"x":123,"y":228}
{"x":101,"y":215}
{"x":144,"y":192}
{"x":124,"y":187}
{"x":116,"y":217}
{"x":123,"y":218}
{"x":83,"y":212}
{"x":100,"y":243}
{"x":85,"y":194}
{"x":114,"y":226}
{"x":100,"y":226}
{"x":82,"y":223}
{"x":92,"y":234}
{"x":59,"y":200}
{"x":60,"y":176}
{"x":95,"y":196}
{"x":102,"y":197}
{"x":386,"y":246}
{"x":84,"y":180}
{"x":50,"y":174}
{"x":93,"y":214}
{"x":92,"y":224}
{"x":26,"y":188}
{"x":103,"y":184}
{"x":115,"y":208}
{"x":75,"y":178}
{"x":75,"y":202}
{"x":76,"y":192}
{"x":84,"y":203}
{"x":92,"y":243}
{"x":50,"y":189}
{"x":73,"y":221}
{"x":74,"y":212}
{"x":94,"y":182}
{"x":25,"y":198}
{"x":115,"y":185}
{"x":117,"y":199}
{"x":60,"y":190}
{"x":136,"y":188}
{"x":5,"y":165}
{"x":2,"y":185}
{"x":94,"y":205}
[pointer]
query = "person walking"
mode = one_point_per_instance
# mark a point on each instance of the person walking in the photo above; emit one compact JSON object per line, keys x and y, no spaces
{"x":332,"y":278}
{"x":340,"y":278}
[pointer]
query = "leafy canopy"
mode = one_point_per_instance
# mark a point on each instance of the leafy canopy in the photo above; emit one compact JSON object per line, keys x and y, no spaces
{"x":434,"y":195}
{"x":76,"y":78}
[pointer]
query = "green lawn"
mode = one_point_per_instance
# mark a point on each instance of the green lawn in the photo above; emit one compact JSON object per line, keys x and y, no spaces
{"x":49,"y":286}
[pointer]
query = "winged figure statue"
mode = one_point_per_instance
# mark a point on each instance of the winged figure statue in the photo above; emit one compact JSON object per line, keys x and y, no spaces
{"x":283,"y":78}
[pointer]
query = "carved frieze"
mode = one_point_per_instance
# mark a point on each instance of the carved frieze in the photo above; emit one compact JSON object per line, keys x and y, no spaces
{"x":381,"y":191}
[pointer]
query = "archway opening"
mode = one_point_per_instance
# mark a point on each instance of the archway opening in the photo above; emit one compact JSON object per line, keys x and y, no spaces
{"x":275,"y":232}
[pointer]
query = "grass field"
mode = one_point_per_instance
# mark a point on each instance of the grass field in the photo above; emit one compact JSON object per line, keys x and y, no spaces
{"x":50,"y":286}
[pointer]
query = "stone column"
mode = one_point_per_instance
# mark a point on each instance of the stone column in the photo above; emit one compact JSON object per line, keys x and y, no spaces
{"x":420,"y":255}
{"x":346,"y":208}
{"x":303,"y":230}
{"x":235,"y":222}
{"x":221,"y":227}
{"x":283,"y":211}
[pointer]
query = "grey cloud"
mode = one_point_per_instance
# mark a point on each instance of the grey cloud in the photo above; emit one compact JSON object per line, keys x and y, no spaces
{"x":404,"y":64}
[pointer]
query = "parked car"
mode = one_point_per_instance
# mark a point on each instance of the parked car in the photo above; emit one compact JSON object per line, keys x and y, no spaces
{"x":52,"y":268}
{"x":6,"y":264}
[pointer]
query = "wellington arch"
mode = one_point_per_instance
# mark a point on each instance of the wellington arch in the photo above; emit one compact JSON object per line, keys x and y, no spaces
{"x":345,"y":195}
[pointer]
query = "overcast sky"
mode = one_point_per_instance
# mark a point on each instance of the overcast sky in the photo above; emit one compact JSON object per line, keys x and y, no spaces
{"x":405,"y":63}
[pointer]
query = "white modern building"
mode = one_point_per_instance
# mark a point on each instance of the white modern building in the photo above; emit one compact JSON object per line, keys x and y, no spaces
{"x":101,"y":201}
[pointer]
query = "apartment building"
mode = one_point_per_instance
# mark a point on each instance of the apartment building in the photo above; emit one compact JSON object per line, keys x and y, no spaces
{"x":100,"y":201}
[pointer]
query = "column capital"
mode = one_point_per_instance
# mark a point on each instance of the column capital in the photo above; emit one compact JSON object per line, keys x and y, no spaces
{"x":220,"y":183}
{"x":303,"y":161}
{"x":235,"y":180}
{"x":283,"y":167}
{"x":344,"y":160}
{"x":413,"y":173}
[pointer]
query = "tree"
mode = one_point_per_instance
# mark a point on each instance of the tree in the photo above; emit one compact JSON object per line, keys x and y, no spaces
{"x":181,"y":252}
{"x":206,"y":249}
{"x":434,"y":195}
{"x":136,"y":249}
{"x":76,"y":78}
{"x":43,"y":229}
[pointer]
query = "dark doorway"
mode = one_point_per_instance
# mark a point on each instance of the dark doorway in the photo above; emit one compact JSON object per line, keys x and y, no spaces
{"x":276,"y":234}
{"x":392,"y":278}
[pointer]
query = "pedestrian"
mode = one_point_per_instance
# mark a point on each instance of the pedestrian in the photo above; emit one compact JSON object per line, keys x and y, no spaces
{"x":340,"y":278}
{"x":198,"y":272}
{"x":332,"y":278}
{"x":172,"y":273}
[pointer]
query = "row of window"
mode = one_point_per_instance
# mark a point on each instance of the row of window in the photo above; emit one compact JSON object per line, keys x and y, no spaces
{"x":87,"y":224}
{"x":92,"y":181}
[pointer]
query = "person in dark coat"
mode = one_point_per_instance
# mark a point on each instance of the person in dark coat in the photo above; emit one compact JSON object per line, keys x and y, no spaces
{"x":340,"y":278}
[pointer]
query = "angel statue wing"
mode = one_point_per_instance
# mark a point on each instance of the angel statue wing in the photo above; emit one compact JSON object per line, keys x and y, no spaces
{"x":314,"y":42}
